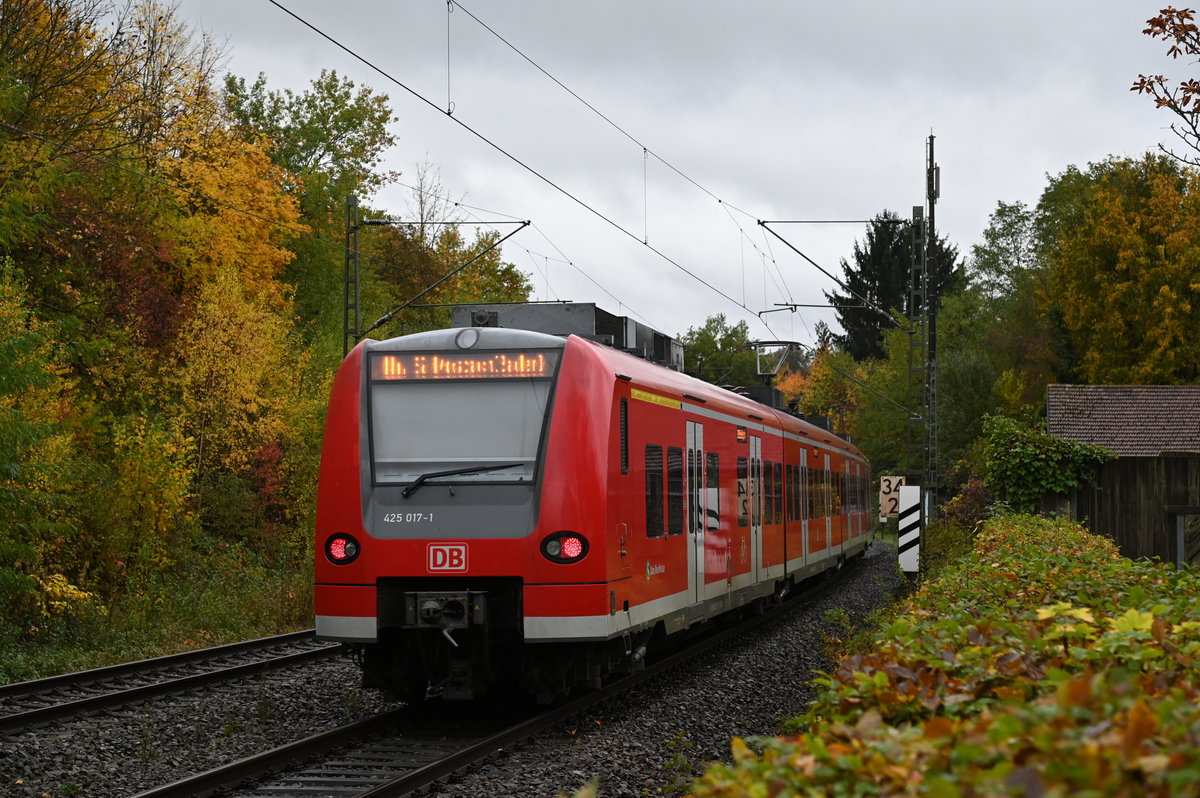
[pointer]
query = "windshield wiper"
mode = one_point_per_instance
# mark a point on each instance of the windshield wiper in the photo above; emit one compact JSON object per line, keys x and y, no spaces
{"x":419,"y":481}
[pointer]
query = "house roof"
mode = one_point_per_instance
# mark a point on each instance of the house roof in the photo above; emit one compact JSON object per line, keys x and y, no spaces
{"x":1130,"y":420}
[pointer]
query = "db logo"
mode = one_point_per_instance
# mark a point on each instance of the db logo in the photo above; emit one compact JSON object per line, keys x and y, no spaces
{"x":444,"y":557}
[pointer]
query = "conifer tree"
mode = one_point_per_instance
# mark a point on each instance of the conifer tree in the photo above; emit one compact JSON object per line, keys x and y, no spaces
{"x":880,"y":274}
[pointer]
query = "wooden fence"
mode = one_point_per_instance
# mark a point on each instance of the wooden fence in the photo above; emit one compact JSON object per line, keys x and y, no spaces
{"x":1149,"y":506}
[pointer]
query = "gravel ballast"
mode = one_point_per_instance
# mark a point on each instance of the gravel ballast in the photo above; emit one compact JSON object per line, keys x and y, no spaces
{"x":645,"y":743}
{"x":653,"y":741}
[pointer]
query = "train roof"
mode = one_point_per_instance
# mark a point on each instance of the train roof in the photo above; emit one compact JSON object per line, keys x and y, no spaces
{"x":639,"y":370}
{"x":696,"y":391}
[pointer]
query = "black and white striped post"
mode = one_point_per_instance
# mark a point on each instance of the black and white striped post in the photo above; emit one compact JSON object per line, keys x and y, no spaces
{"x":910,"y":529}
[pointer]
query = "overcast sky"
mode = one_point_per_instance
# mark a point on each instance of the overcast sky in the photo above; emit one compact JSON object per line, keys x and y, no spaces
{"x":781,"y":110}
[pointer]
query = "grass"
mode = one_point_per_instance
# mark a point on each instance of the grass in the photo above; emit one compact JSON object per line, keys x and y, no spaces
{"x":205,"y":603}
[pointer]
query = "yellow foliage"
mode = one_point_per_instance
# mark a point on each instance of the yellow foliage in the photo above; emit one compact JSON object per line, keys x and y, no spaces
{"x":1123,"y":271}
{"x":153,"y":482}
{"x":214,"y":240}
{"x":791,"y":384}
{"x":236,"y":372}
{"x":827,"y":391}
{"x":1009,"y":390}
{"x":59,"y":596}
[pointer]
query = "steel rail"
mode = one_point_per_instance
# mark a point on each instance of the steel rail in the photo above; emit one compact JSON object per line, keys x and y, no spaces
{"x":118,"y":695}
{"x":138,"y":666}
{"x":229,"y":776}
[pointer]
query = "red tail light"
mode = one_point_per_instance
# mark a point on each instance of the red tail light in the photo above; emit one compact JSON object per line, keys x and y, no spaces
{"x":565,"y":547}
{"x":341,"y":549}
{"x":572,"y":547}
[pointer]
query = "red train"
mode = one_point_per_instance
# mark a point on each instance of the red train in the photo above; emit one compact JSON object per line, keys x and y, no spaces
{"x":506,"y":510}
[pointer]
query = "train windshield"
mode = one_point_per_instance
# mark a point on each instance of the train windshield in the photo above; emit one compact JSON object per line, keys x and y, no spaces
{"x":432,"y":413}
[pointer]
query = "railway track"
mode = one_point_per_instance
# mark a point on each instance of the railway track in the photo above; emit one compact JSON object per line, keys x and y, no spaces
{"x":57,"y":698}
{"x":403,"y":750}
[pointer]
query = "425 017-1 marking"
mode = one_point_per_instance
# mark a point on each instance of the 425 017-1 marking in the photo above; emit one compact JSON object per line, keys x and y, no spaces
{"x":408,"y":518}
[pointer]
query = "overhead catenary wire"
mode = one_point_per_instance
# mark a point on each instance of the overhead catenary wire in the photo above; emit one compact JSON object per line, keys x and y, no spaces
{"x":563,"y":257}
{"x":590,"y":107}
{"x":850,"y":290}
{"x":647,"y":152}
{"x":548,"y":181}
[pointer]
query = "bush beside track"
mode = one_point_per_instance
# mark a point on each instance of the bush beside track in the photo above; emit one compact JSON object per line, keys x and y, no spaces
{"x":1043,"y":664}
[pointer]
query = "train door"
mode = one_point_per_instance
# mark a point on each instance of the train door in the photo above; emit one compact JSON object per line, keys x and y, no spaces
{"x":697,"y":500}
{"x":756,"y":516}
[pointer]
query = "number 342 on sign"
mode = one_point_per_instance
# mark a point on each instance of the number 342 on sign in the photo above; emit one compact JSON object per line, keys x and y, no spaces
{"x":889,"y":496}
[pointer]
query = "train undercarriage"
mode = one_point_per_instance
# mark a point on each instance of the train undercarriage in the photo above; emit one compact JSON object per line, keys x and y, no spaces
{"x":462,"y":643}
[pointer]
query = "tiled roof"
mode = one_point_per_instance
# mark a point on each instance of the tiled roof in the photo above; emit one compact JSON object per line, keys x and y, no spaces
{"x":1130,"y":420}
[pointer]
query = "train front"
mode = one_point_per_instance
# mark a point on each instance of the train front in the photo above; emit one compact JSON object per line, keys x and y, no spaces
{"x":428,"y":496}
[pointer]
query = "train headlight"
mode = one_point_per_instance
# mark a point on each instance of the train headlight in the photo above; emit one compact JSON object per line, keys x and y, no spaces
{"x":341,"y":549}
{"x":565,"y":547}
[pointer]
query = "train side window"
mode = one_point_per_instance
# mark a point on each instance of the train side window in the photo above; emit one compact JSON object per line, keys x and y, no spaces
{"x":778,"y":492}
{"x":796,"y":493}
{"x":790,"y":472}
{"x":674,"y":490}
{"x":756,"y":491}
{"x":818,"y":492}
{"x":743,"y":491}
{"x":624,"y":435}
{"x":713,"y":484}
{"x":787,"y":492}
{"x":768,"y":492}
{"x":654,"y":491}
{"x":805,"y":509}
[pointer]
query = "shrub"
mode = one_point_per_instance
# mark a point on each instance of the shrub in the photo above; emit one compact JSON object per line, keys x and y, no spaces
{"x":1043,"y":664}
{"x":1022,"y":464}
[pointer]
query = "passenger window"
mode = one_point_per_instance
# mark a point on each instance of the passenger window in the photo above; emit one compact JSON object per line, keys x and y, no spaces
{"x":714,"y":490}
{"x":796,"y":500}
{"x":778,"y":492}
{"x":674,"y":490}
{"x":743,"y":492}
{"x":790,"y":477}
{"x":768,"y":492}
{"x":654,"y":491}
{"x":805,"y":506}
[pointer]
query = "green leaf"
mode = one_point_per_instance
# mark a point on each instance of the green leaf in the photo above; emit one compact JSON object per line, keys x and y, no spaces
{"x":1133,"y":621}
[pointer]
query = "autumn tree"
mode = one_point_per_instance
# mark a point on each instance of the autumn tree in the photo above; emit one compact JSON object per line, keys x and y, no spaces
{"x":1176,"y":27}
{"x":329,"y":138}
{"x":234,"y":217}
{"x":130,"y":210}
{"x":26,"y":372}
{"x":1121,"y":241}
{"x":876,"y":285}
{"x":428,"y":261}
{"x":829,"y":389}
